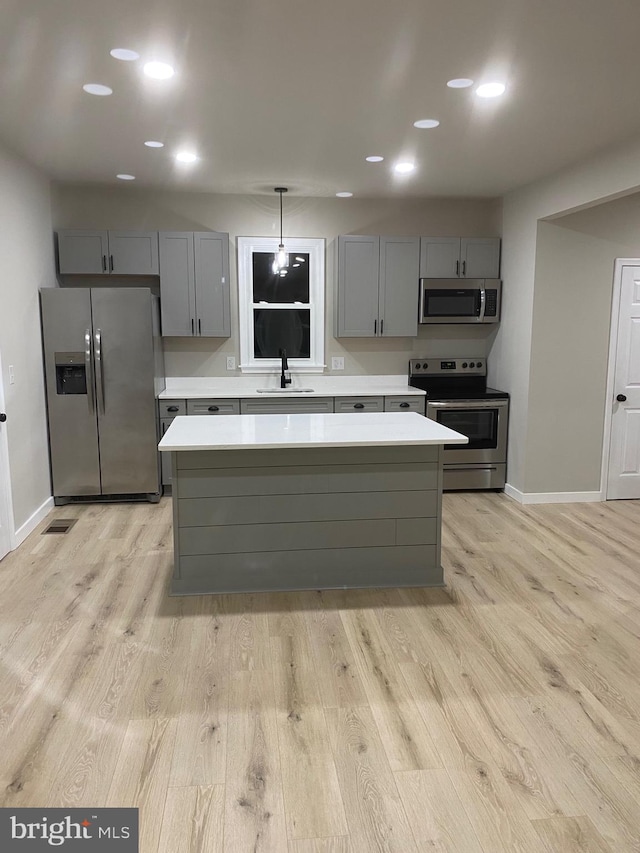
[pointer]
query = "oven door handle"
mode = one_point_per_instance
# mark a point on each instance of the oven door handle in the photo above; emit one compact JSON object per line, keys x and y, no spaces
{"x":468,"y":404}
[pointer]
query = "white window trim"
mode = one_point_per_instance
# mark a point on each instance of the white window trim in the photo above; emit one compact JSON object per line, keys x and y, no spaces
{"x":315,"y":247}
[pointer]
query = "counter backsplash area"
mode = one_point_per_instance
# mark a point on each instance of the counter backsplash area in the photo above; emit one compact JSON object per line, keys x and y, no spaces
{"x":248,"y":386}
{"x":207,"y":357}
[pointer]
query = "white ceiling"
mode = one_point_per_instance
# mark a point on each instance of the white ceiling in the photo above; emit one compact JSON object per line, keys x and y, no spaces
{"x":297,"y":93}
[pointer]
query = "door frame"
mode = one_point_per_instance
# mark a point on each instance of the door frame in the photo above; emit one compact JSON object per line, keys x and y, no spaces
{"x":6,"y":501}
{"x":618,"y":270}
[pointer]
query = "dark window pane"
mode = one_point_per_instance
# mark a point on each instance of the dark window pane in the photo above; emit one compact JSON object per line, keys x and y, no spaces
{"x":272,"y":287}
{"x":276,"y":329}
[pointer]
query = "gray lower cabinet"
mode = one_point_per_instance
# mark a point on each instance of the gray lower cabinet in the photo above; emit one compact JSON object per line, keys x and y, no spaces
{"x":314,"y":518}
{"x":280,"y":406}
{"x":169,"y":409}
{"x":84,"y":252}
{"x":377,"y":286}
{"x":460,"y":257}
{"x":194,"y":284}
{"x":213,"y":407}
{"x":358,"y":404}
{"x":405,"y":404}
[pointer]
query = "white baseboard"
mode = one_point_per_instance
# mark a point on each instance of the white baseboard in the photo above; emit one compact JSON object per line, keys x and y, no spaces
{"x":552,"y":497}
{"x":32,"y":522}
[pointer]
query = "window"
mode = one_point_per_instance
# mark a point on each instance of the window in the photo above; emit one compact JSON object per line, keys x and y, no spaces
{"x":281,"y":310}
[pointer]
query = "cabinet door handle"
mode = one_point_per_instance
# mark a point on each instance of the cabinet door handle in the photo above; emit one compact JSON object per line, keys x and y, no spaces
{"x":104,"y":263}
{"x":199,"y":326}
{"x":464,"y":268}
{"x":404,"y":405}
{"x":375,"y":327}
{"x":172,"y":409}
{"x":111,"y":262}
{"x":192,"y":326}
{"x":457,"y":267}
{"x":214,"y":408}
{"x":382,"y":327}
{"x":358,"y":405}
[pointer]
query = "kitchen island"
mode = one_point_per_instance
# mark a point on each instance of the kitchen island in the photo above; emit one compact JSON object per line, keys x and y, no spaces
{"x":282,"y":502}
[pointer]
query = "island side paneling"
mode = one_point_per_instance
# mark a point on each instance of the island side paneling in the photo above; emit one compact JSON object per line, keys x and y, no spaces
{"x":317,"y":518}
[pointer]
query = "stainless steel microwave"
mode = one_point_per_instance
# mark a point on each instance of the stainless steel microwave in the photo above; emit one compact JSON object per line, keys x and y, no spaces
{"x":448,"y":300}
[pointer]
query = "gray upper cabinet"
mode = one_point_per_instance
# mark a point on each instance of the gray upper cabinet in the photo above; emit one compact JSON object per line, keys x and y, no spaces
{"x":460,"y":257}
{"x":82,"y":252}
{"x":377,"y":286}
{"x":194,"y":284}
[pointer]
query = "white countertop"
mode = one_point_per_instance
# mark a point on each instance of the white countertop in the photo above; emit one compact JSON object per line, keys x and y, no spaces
{"x":203,"y":387}
{"x":243,"y":432}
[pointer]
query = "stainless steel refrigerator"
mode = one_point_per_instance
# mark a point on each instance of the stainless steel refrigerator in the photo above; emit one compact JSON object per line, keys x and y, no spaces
{"x":104,"y":369}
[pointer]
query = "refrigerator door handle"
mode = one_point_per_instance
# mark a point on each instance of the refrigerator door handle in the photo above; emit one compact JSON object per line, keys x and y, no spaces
{"x":88,"y":363}
{"x":99,"y":373}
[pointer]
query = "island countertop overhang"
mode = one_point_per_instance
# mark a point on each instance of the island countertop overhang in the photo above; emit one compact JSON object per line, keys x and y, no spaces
{"x":245,"y":432}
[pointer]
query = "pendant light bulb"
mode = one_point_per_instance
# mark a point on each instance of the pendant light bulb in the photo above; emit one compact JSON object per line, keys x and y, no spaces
{"x":281,"y":259}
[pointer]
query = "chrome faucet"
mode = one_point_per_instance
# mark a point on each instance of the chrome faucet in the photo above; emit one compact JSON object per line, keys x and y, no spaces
{"x":284,"y":379}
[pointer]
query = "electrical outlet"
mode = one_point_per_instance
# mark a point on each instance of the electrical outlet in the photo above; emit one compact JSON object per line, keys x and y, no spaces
{"x":231,"y":362}
{"x":12,"y":377}
{"x":337,"y":362}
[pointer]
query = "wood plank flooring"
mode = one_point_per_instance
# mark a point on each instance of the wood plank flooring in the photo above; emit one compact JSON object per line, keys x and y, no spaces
{"x":499,"y":714}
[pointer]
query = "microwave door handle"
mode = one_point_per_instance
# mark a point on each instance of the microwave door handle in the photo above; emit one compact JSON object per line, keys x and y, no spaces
{"x":483,"y":303}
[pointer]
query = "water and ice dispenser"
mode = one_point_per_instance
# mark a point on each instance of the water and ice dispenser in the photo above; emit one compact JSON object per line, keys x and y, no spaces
{"x":71,"y":373}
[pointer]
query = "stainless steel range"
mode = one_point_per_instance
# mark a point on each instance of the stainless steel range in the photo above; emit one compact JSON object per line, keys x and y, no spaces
{"x":458,"y":397}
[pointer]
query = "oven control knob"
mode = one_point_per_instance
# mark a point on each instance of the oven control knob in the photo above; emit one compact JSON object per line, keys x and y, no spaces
{"x":425,"y":365}
{"x":464,"y":363}
{"x":473,"y":364}
{"x":417,"y":367}
{"x":479,"y":364}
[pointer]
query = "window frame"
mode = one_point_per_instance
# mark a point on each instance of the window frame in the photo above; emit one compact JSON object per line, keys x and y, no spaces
{"x":315,"y":247}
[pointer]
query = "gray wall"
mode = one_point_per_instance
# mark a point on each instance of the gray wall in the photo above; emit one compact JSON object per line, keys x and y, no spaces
{"x":571,"y":326}
{"x":133,"y":208}
{"x":26,"y":264}
{"x":514,"y":359}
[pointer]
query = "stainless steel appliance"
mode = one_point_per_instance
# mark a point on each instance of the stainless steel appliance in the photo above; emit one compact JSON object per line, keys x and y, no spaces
{"x":450,"y":300}
{"x":458,"y":397}
{"x":103,"y":369}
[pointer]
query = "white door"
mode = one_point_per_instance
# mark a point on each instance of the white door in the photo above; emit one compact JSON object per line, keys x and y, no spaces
{"x":624,"y":449}
{"x":6,"y":536}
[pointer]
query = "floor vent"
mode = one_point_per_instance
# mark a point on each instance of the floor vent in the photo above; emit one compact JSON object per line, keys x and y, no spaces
{"x":60,"y":525}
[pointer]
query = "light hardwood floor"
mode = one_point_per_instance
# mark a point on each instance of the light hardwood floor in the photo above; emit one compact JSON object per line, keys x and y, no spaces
{"x":499,"y":714}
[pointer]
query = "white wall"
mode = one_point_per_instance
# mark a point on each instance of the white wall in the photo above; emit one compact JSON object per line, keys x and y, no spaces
{"x":26,"y":264}
{"x":133,"y":208}
{"x":515,"y":356}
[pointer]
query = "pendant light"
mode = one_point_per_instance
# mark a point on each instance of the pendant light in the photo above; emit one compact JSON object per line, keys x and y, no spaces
{"x":281,"y":259}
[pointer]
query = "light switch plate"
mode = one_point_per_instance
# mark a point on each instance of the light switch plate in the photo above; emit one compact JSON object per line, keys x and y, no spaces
{"x":337,"y":362}
{"x":231,"y":362}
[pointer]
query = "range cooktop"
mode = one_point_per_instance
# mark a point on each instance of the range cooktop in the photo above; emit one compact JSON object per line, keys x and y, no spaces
{"x":453,"y":379}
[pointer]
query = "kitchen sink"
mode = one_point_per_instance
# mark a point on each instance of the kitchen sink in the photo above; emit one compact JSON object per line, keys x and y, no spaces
{"x":285,"y":390}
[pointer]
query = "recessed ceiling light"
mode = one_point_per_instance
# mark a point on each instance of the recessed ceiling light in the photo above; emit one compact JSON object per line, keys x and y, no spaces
{"x":426,"y":122}
{"x":97,"y":89}
{"x":126,"y":177}
{"x":159,"y":70}
{"x":403,"y":168}
{"x":490,"y":90}
{"x":460,"y":83}
{"x":344,"y":195}
{"x":124,"y":54}
{"x":152,"y":143}
{"x":186,"y":157}
{"x":374,"y":158}
{"x":298,"y":258}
